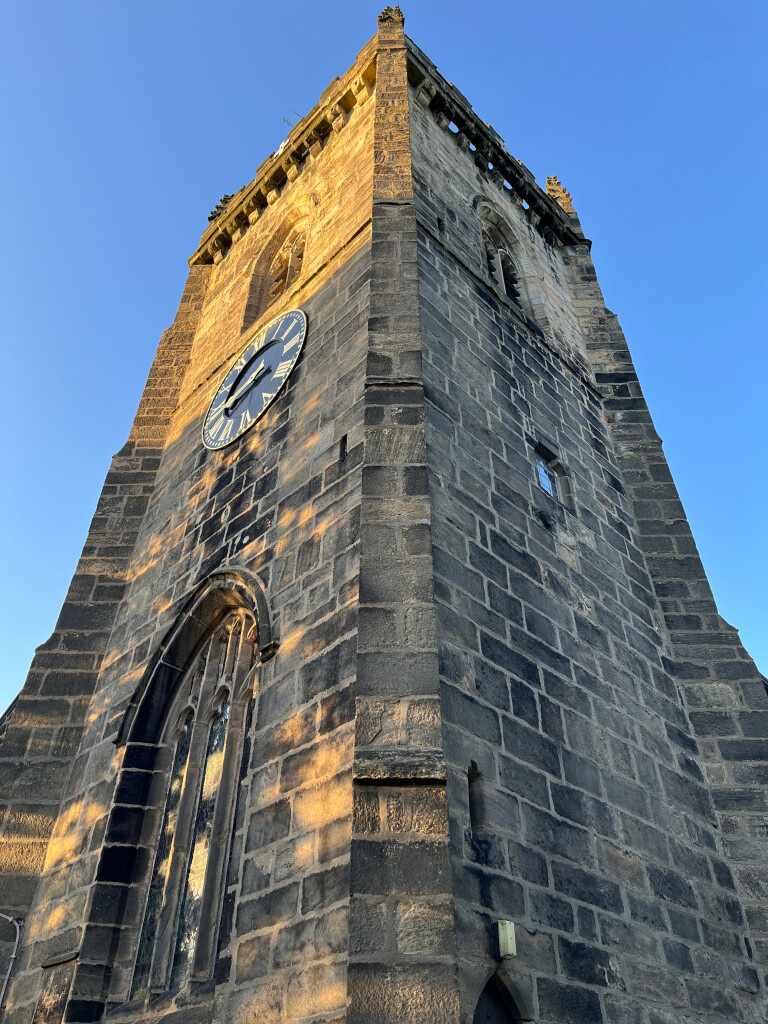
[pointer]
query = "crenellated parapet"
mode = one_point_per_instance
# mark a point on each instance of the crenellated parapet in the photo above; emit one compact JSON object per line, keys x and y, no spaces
{"x":454,"y":114}
{"x":234,"y":214}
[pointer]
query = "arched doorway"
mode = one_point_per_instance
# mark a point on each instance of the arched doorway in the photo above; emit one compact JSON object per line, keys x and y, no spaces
{"x":496,"y":1005}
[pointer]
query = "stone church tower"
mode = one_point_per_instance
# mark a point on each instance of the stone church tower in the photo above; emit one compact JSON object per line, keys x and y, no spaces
{"x":389,"y":687}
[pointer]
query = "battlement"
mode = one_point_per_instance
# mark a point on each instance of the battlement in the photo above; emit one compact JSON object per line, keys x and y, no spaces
{"x":306,"y":140}
{"x":454,"y":114}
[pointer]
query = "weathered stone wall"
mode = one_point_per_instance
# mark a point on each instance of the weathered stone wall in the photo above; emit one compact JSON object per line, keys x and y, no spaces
{"x":726,"y":695}
{"x":42,"y":730}
{"x":284,"y":504}
{"x":592,"y":825}
{"x":457,"y":204}
{"x":401,"y":914}
{"x":483,"y":700}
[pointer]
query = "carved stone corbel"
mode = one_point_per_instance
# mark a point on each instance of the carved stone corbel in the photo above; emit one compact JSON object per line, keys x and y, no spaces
{"x":219,"y":247}
{"x":272,"y":194}
{"x":533,"y":216}
{"x":252,"y":210}
{"x":338,"y":117}
{"x":443,"y":120}
{"x":238,"y":225}
{"x":463,"y":141}
{"x":202,"y":257}
{"x":314,"y":142}
{"x":292,"y":168}
{"x":425,"y":93}
{"x":515,"y":196}
{"x":362,"y":90}
{"x":496,"y":177}
{"x":482,"y":159}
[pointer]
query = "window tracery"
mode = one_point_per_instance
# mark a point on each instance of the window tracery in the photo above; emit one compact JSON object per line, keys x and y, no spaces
{"x":200,"y":751}
{"x":277,"y":269}
{"x":285,"y":268}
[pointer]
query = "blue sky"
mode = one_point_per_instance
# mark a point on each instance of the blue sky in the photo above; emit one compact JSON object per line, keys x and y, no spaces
{"x":126,"y":121}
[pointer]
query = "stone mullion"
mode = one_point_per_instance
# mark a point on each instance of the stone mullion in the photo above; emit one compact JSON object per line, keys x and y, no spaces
{"x":239,"y":664}
{"x":183,"y":841}
{"x":726,"y":696}
{"x":400,"y":872}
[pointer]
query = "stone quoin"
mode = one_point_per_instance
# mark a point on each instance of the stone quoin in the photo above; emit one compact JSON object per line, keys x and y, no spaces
{"x":389,"y":686}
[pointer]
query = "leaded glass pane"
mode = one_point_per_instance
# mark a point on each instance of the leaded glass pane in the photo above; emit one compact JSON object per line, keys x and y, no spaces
{"x":192,"y":895}
{"x":546,"y":476}
{"x":162,"y":862}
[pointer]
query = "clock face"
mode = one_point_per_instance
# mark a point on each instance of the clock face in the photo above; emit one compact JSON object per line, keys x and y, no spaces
{"x":255,"y":378}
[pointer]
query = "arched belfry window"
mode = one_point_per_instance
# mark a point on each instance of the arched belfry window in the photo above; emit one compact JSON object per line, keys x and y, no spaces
{"x":278,"y":269}
{"x":285,"y":268}
{"x":501,"y":265}
{"x":194,"y":790}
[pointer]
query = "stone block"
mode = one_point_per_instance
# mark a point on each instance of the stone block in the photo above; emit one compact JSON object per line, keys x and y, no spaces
{"x":267,"y":910}
{"x":587,"y":887}
{"x":557,"y":837}
{"x":384,"y":994}
{"x":568,"y":1004}
{"x":550,"y":911}
{"x":268,"y":825}
{"x":587,"y":964}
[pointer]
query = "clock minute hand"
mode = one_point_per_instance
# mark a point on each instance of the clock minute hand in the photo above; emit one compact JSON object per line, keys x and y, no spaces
{"x":252,"y":381}
{"x":234,"y":399}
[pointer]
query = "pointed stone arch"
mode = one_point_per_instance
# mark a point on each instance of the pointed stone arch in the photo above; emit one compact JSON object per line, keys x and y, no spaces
{"x":205,"y":669}
{"x":277,"y":270}
{"x":500,"y":1001}
{"x":506,"y":256}
{"x":201,"y":613}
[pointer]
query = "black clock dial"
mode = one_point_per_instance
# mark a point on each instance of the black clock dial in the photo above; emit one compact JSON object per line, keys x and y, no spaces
{"x":253,"y":381}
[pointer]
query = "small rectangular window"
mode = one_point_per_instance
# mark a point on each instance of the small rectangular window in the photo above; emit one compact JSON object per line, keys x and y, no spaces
{"x":547,"y":476}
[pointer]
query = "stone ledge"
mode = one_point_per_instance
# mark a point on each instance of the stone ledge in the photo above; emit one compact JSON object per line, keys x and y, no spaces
{"x":398,"y":764}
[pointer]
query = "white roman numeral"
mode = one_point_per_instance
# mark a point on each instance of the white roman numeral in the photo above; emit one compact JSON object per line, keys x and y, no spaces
{"x":283,"y":369}
{"x":293,"y":341}
{"x":214,"y":427}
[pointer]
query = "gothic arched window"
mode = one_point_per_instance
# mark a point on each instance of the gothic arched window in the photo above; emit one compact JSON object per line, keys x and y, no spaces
{"x":285,"y":268}
{"x":277,"y":270}
{"x":196,"y":766}
{"x":501,"y":266}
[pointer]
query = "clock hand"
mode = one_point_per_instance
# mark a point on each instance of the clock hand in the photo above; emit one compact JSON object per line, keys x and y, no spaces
{"x":233,"y":399}
{"x":252,"y":381}
{"x":274,"y":341}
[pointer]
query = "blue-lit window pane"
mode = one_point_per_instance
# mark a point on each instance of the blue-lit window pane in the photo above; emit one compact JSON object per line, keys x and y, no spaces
{"x":162,"y":862}
{"x":547,"y":478}
{"x":192,"y":895}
